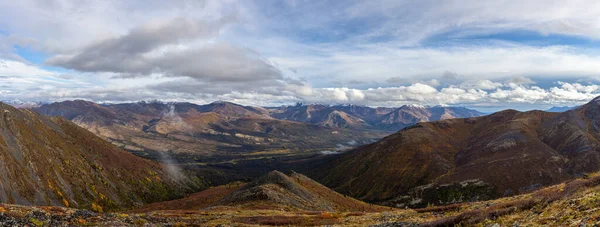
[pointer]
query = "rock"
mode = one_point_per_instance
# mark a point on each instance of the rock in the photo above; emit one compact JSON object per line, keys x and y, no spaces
{"x":396,"y":224}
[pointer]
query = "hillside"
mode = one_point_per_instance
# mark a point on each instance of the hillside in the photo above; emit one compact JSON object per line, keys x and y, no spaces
{"x":277,"y":191}
{"x":461,"y":160}
{"x":51,"y":161}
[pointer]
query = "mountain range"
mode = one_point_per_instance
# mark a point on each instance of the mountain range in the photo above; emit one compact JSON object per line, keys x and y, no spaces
{"x":560,"y":108}
{"x":382,"y":118}
{"x":462,"y":160}
{"x":223,"y":127}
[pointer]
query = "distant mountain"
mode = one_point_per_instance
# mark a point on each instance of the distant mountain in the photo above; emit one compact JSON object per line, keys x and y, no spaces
{"x":459,"y":160}
{"x":22,"y":104}
{"x":409,"y":115}
{"x":51,"y":161}
{"x":352,"y":116}
{"x":558,"y":109}
{"x":320,"y":115}
{"x":214,"y":129}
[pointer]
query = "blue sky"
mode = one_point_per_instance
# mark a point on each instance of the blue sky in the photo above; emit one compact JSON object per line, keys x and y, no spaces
{"x":488,"y":55}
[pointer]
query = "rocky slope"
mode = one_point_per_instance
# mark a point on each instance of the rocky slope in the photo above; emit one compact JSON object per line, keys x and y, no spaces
{"x":460,"y":160}
{"x":51,"y":161}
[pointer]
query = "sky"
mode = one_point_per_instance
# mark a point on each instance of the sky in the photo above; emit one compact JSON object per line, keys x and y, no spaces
{"x":486,"y":55}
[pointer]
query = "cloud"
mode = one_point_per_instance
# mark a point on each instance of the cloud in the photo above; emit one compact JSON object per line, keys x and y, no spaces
{"x":574,"y":91}
{"x":19,"y":80}
{"x":355,"y":82}
{"x":521,"y":80}
{"x":67,"y":26}
{"x":395,"y":80}
{"x":192,"y":86}
{"x":162,"y":48}
{"x":16,"y":69}
{"x":377,"y":53}
{"x":473,"y":62}
{"x":217,"y":62}
{"x":495,"y":94}
{"x":447,"y":75}
{"x":481,"y":84}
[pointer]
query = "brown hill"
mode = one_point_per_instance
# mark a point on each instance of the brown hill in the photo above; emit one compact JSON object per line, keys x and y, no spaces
{"x":276,"y":190}
{"x":195,"y":201}
{"x":458,"y":160}
{"x":51,"y":161}
{"x":273,"y":191}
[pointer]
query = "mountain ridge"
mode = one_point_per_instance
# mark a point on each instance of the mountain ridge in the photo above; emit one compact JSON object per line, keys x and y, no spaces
{"x":461,"y":160}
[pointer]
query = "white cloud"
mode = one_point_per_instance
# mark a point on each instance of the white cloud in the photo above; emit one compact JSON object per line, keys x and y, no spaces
{"x":472,"y":63}
{"x":375,"y":53}
{"x":481,"y":84}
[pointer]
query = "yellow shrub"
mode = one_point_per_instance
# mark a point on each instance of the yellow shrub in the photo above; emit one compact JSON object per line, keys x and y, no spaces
{"x":97,"y":208}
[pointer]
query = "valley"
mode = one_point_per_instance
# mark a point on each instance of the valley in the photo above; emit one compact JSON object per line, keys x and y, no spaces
{"x":224,"y":142}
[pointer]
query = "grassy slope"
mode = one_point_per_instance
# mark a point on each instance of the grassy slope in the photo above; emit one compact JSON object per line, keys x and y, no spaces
{"x":51,"y":161}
